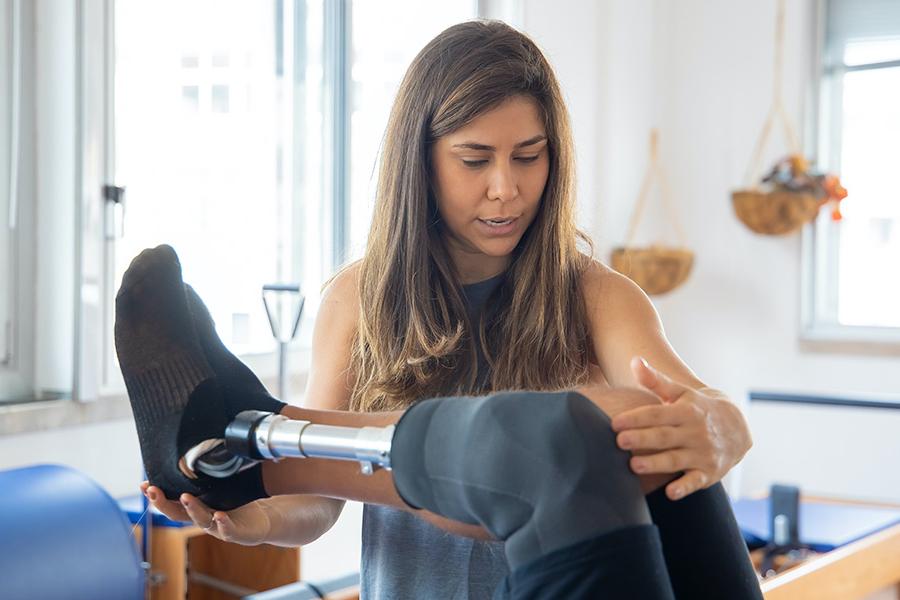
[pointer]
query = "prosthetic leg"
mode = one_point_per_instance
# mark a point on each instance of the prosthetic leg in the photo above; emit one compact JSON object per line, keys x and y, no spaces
{"x":519,"y":464}
{"x":539,"y":471}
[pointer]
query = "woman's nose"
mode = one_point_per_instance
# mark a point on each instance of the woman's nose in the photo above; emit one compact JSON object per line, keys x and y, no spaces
{"x":502,"y":184}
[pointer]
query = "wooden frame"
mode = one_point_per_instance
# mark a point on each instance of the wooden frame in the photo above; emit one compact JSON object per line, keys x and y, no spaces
{"x":176,"y":549}
{"x":856,"y":570}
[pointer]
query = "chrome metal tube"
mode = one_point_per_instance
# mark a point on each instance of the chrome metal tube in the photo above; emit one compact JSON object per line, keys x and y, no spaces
{"x":274,"y":437}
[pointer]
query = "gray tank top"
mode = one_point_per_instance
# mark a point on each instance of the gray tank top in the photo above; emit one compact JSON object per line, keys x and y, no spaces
{"x":406,"y":558}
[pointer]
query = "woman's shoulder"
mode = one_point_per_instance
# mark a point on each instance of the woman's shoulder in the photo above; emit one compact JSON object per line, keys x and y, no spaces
{"x":344,"y":284}
{"x":598,"y":278}
{"x":340,"y":294}
{"x":602,"y":285}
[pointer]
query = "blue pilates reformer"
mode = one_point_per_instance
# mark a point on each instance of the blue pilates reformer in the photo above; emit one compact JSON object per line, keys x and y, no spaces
{"x":63,"y":536}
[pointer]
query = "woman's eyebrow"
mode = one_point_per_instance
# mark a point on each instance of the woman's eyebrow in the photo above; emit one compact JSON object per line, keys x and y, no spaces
{"x":476,"y":146}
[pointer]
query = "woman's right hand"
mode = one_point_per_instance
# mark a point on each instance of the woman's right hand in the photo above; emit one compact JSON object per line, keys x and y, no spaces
{"x":248,"y":525}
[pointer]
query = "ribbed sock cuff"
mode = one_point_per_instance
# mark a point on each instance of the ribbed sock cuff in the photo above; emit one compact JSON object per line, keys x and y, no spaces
{"x":165,"y":387}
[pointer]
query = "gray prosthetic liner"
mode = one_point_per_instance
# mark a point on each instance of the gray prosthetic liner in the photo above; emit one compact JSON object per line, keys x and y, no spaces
{"x":539,"y":470}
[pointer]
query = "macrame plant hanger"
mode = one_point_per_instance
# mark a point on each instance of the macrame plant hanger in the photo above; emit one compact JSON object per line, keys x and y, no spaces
{"x":659,"y":268}
{"x":777,"y":212}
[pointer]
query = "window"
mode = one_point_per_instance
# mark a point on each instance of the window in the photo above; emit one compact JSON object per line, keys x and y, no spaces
{"x":853,"y":290}
{"x":245,"y":134}
{"x":217,"y":144}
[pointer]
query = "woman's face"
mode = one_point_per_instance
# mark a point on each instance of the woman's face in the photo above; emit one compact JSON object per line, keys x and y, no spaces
{"x":488,"y":179}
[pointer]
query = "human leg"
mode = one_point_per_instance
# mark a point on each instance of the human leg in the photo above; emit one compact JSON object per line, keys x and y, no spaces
{"x":704,"y":550}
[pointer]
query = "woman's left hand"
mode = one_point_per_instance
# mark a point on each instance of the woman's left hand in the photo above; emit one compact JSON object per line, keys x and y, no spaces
{"x":697,"y":432}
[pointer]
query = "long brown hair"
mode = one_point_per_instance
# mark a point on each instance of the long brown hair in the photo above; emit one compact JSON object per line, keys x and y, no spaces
{"x":414,"y":339}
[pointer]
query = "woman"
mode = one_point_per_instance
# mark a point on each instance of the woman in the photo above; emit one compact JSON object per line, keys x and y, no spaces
{"x":472,"y":281}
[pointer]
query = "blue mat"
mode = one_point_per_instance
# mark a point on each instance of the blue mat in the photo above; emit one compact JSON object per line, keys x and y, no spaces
{"x":823,"y":526}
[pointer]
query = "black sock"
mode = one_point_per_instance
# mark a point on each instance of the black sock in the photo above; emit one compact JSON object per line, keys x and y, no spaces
{"x":242,"y":390}
{"x":175,"y":395}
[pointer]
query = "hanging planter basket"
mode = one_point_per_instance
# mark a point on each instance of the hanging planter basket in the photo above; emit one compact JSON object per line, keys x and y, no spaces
{"x":656,"y":269}
{"x":790,"y":196}
{"x":774,"y":213}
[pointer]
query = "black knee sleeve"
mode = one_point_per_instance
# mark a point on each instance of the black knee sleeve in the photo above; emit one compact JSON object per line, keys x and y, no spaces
{"x":539,"y":470}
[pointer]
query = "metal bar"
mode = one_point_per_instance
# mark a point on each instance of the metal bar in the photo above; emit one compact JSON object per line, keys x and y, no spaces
{"x":823,"y":400}
{"x":301,"y":590}
{"x":217,"y":584}
{"x":888,"y":64}
{"x":283,"y":383}
{"x":271,"y":436}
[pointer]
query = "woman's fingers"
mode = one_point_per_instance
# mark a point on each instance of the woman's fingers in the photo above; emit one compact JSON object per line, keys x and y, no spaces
{"x":172,"y":509}
{"x":671,"y":461}
{"x":653,"y":438}
{"x":688,"y":483}
{"x":250,"y":526}
{"x":651,"y":416}
{"x":226,"y":527}
{"x":667,"y":390}
{"x":200,"y":514}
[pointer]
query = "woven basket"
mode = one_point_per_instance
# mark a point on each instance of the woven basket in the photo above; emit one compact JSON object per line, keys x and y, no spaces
{"x":657,"y":269}
{"x":774,"y":213}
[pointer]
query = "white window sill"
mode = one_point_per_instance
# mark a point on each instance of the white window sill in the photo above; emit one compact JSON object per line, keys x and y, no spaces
{"x":851,"y":339}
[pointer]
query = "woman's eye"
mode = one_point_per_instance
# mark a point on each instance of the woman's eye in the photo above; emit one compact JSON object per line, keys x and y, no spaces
{"x":474,"y":163}
{"x":527,"y":159}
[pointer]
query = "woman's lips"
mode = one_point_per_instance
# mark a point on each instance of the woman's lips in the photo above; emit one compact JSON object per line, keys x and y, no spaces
{"x":498,"y":228}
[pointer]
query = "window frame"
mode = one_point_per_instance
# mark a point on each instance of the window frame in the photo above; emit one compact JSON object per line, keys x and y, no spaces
{"x":820,"y":328}
{"x":17,"y":364}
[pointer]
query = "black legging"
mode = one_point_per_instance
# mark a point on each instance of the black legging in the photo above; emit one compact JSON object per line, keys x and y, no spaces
{"x":542,"y":472}
{"x":705,"y":554}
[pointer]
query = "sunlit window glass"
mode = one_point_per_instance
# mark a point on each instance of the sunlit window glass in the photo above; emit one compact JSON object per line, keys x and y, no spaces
{"x":217,"y":135}
{"x":869,"y":251}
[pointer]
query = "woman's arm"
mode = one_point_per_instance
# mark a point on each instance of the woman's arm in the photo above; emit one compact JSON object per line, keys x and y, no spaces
{"x":696,"y":430}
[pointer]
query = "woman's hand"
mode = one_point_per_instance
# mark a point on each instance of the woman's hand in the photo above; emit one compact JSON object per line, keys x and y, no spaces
{"x":248,"y":525}
{"x":697,"y":432}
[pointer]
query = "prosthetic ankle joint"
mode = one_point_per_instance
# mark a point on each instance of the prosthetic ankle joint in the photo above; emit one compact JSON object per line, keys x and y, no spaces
{"x":268,"y":436}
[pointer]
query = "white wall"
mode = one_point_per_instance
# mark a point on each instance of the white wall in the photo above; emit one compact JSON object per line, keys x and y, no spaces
{"x":737,"y":320}
{"x":701,"y":71}
{"x":603,"y":56}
